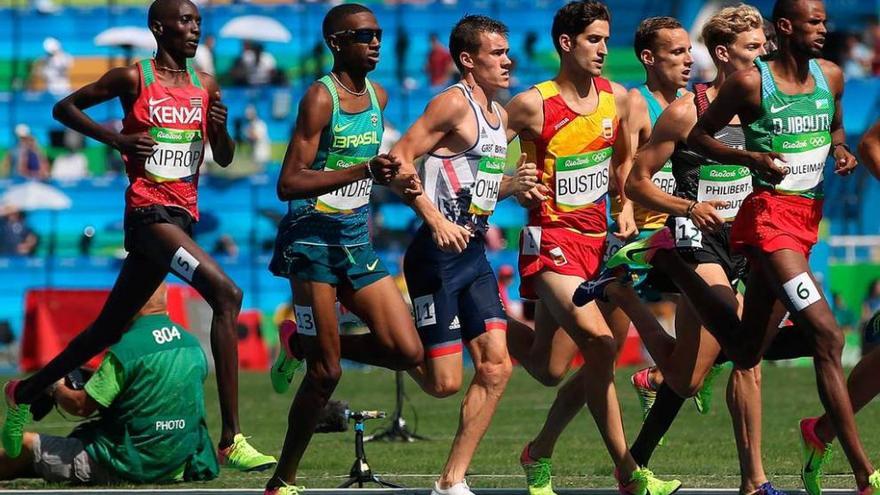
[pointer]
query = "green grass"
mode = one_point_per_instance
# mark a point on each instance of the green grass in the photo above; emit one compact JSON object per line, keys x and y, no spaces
{"x":699,"y":449}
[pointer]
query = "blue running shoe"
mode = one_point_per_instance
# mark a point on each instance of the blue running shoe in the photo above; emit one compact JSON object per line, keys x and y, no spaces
{"x":768,"y":489}
{"x":592,"y":290}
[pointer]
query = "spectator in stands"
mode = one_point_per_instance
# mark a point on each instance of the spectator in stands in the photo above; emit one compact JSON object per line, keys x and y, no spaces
{"x":255,"y":66}
{"x":256,"y":134}
{"x":72,"y":163}
{"x":871,"y":303}
{"x":845,"y":318}
{"x":148,"y":393}
{"x":26,"y":159}
{"x":439,"y":67}
{"x":53,"y":70}
{"x":16,"y":237}
{"x":204,"y":59}
{"x":856,"y":58}
{"x":225,"y":246}
{"x":401,"y":50}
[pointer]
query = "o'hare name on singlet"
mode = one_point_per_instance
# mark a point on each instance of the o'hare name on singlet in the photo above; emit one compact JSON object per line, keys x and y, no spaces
{"x":348,"y":197}
{"x":804,"y":156}
{"x":582,"y":179}
{"x":664,"y":178}
{"x":728,"y":183}
{"x":487,"y":185}
{"x":177,"y":154}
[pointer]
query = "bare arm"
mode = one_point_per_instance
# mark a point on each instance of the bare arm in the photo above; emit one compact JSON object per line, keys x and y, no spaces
{"x":218,"y":135}
{"x":76,"y":402}
{"x":844,"y":161}
{"x":671,"y":128}
{"x":525,"y":119}
{"x":739,"y":95}
{"x":869,"y":149}
{"x":121,"y":82}
{"x":621,"y":163}
{"x":297,"y":179}
{"x":441,"y":117}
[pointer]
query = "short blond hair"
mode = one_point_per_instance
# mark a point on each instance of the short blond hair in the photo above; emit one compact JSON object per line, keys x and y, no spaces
{"x":723,"y":27}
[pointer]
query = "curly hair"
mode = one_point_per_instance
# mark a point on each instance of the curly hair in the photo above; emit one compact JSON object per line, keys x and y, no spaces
{"x":723,"y":27}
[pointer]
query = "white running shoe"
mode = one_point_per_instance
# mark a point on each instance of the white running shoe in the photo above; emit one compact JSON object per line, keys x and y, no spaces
{"x":460,"y":488}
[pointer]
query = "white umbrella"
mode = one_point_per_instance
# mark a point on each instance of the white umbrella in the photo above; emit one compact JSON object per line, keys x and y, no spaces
{"x":255,"y":28}
{"x":35,"y":195}
{"x":127,"y":36}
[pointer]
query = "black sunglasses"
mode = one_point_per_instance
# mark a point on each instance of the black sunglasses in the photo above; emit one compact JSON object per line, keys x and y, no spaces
{"x":360,"y":35}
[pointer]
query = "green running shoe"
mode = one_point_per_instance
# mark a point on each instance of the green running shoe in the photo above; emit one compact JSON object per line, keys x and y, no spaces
{"x":646,"y":394}
{"x":703,"y":398}
{"x":241,"y":456}
{"x":815,"y":455}
{"x":285,"y":489}
{"x":639,"y":253}
{"x":537,"y":473}
{"x":286,"y":364}
{"x":17,"y":416}
{"x":873,"y":483}
{"x":643,"y":482}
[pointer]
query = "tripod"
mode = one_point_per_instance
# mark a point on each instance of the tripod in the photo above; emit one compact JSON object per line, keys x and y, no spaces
{"x":397,"y":430}
{"x":360,"y":471}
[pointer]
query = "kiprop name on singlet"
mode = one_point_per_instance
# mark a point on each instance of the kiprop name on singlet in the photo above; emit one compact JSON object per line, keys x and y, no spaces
{"x":175,"y":149}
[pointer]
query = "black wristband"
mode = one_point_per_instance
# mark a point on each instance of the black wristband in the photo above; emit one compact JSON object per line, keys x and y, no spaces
{"x":690,"y":209}
{"x":845,"y":146}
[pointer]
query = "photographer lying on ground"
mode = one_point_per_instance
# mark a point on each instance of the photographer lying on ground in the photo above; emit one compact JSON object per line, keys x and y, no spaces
{"x":150,"y":425}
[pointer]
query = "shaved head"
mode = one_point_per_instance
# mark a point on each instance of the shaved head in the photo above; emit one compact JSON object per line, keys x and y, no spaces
{"x":337,"y":14}
{"x":160,"y":9}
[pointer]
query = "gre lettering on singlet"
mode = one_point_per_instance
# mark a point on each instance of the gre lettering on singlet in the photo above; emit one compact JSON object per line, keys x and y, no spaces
{"x":531,"y":241}
{"x":687,"y":235}
{"x":801,"y":291}
{"x":664,"y":178}
{"x":728,"y":183}
{"x":487,"y":185}
{"x":423,"y":309}
{"x":184,"y":264}
{"x":582,"y":179}
{"x":305,"y":320}
{"x":349,"y":197}
{"x":177,"y":154}
{"x":804,"y":156}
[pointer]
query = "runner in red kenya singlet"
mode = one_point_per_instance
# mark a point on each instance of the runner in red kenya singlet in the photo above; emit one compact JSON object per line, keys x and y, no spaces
{"x":170,"y":111}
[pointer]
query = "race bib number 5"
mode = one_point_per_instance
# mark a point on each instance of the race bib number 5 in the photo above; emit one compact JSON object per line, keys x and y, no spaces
{"x":349,"y":197}
{"x":804,"y":156}
{"x":177,"y":155}
{"x":487,"y":185}
{"x":582,"y":179}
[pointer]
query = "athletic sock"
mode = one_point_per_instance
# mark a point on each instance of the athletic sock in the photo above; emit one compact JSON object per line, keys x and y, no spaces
{"x":659,"y":419}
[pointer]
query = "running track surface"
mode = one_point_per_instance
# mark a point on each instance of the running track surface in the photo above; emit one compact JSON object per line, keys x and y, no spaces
{"x":384,"y":491}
